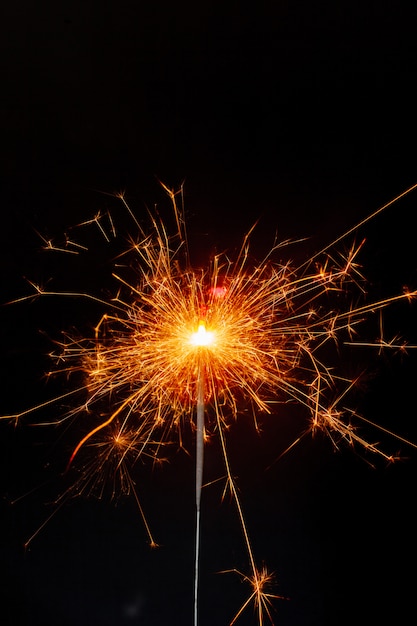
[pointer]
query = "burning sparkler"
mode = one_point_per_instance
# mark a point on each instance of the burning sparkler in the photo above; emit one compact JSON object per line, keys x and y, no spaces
{"x":179,"y":348}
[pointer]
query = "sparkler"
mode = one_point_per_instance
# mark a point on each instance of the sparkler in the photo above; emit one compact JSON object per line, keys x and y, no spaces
{"x":179,"y":348}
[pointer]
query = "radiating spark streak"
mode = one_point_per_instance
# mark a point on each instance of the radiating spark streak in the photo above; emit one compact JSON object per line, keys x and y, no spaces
{"x":49,"y":245}
{"x":152,"y":542}
{"x":290,"y":447}
{"x":121,"y":197}
{"x":98,"y":428}
{"x":377,"y":306}
{"x":389,"y":432}
{"x":178,"y":214}
{"x":67,"y":294}
{"x":97,"y":220}
{"x":258,"y":579}
{"x":362,"y":223}
{"x":57,"y":508}
{"x":42,"y":405}
{"x":381,"y":343}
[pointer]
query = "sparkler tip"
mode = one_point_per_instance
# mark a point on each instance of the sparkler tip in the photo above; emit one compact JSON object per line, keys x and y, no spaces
{"x":202,"y":337}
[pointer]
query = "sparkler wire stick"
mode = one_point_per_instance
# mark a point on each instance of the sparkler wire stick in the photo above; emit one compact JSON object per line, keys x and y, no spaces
{"x":198,"y":481}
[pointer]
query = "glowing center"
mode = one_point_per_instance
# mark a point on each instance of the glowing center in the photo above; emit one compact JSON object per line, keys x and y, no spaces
{"x":202,"y":337}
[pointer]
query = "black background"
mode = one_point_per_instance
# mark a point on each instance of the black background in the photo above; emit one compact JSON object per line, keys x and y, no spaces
{"x":299,"y":114}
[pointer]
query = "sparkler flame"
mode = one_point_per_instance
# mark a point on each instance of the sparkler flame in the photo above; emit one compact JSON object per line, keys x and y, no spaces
{"x":173,"y":339}
{"x":202,"y":337}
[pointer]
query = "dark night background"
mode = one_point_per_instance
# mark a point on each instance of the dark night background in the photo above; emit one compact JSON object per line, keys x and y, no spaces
{"x":301,"y":114}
